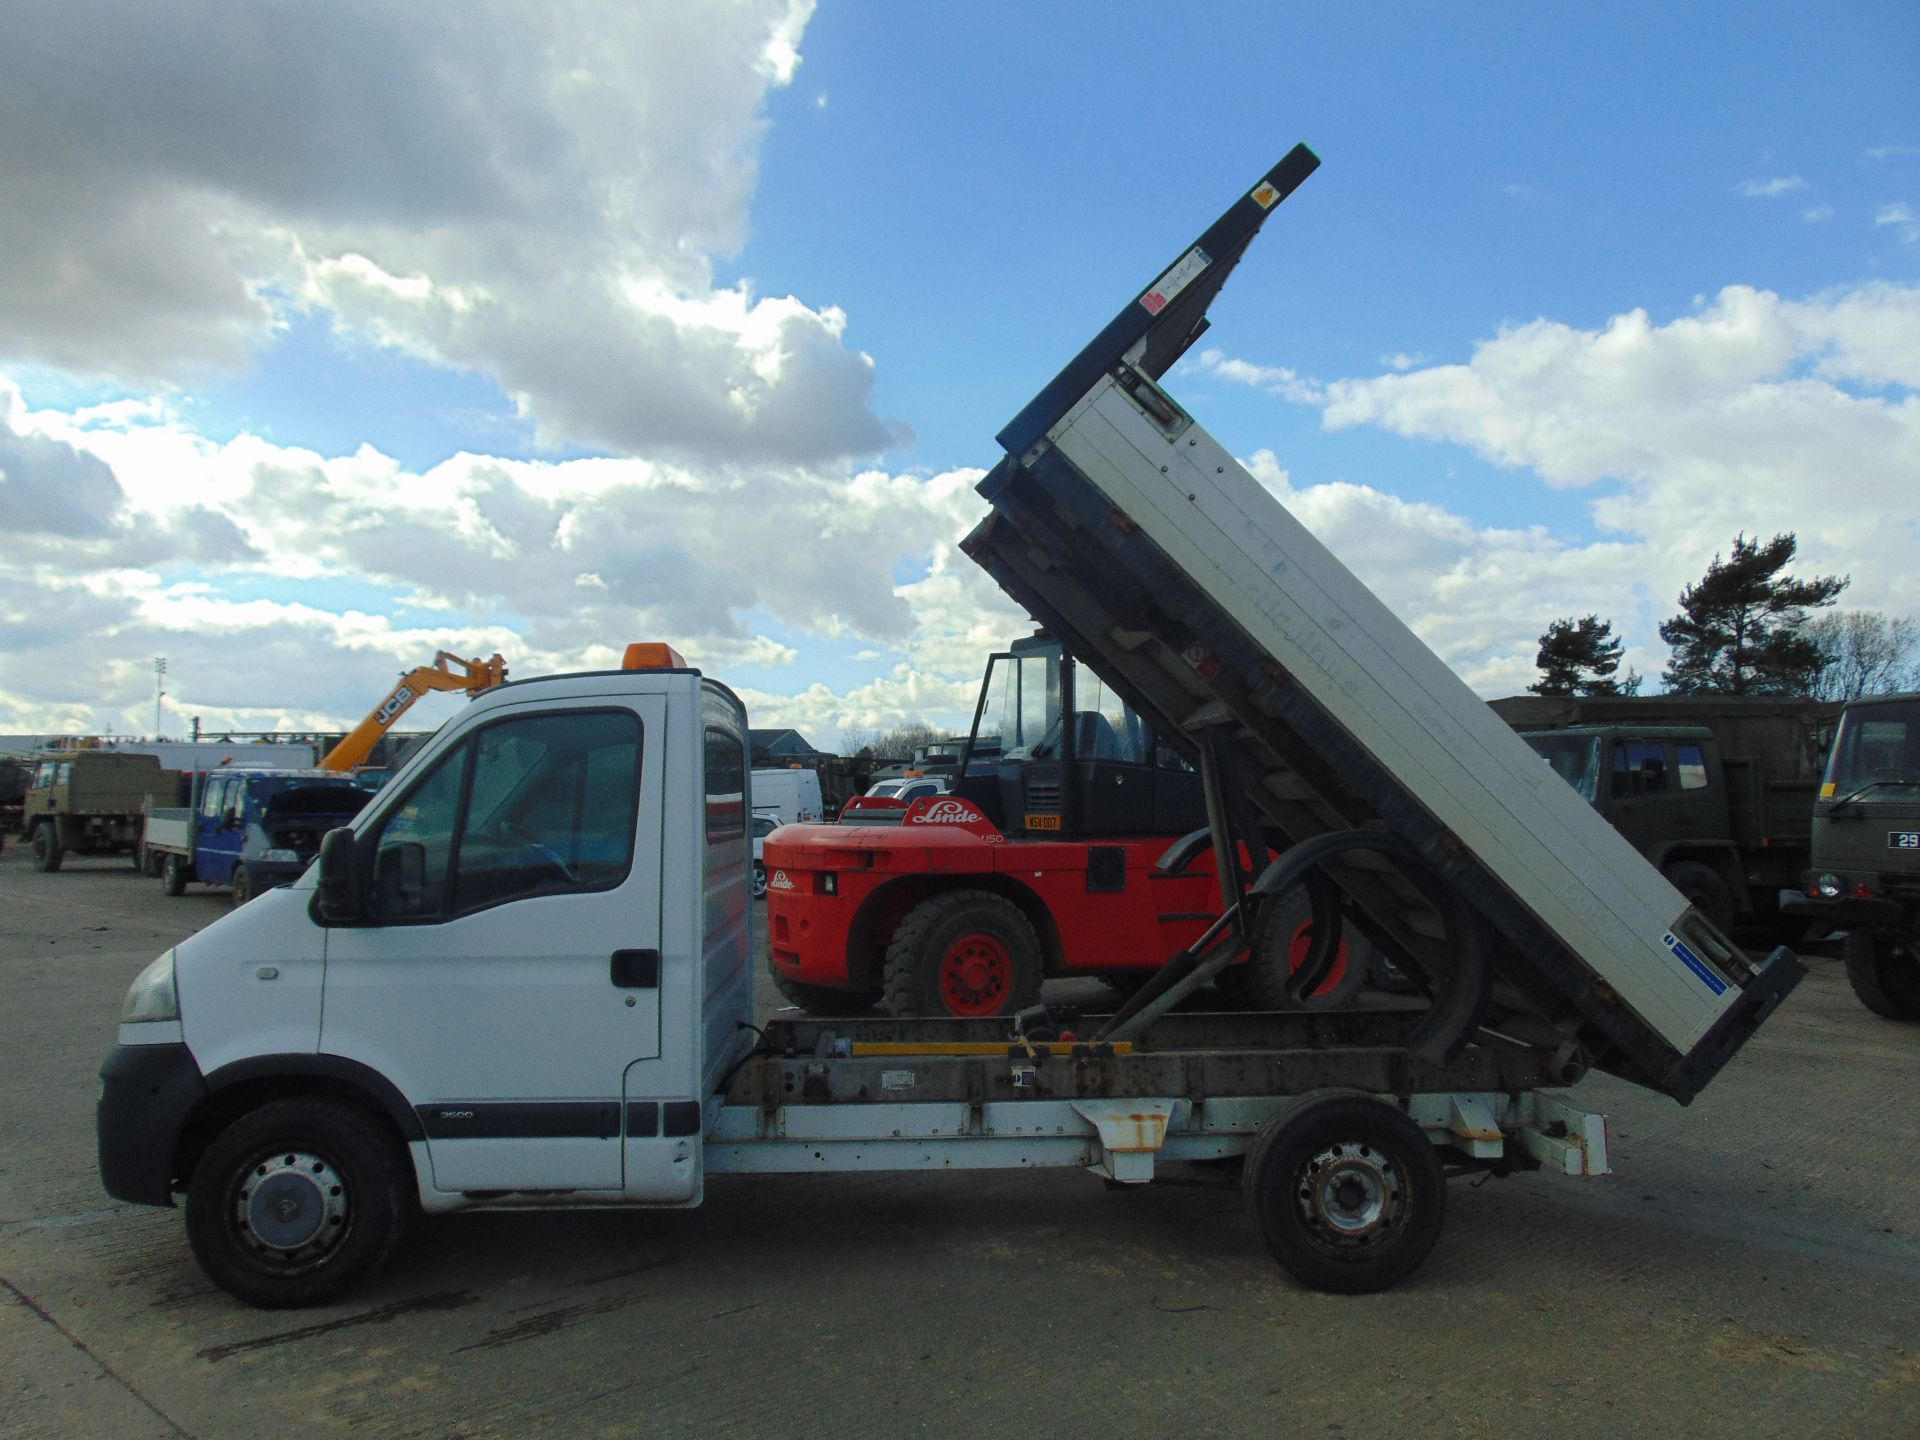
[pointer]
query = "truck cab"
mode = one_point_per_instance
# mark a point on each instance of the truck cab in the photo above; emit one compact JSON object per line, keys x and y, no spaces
{"x":254,"y":829}
{"x":91,"y":802}
{"x":1864,"y":875}
{"x":524,"y":967}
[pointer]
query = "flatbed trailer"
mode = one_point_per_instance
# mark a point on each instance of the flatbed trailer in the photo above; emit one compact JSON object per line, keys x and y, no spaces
{"x":560,"y":1014}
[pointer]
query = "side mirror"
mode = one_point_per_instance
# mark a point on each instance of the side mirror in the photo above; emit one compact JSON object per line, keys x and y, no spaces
{"x":336,"y":900}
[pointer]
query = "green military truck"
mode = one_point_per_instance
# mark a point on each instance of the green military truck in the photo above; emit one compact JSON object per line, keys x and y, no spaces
{"x":1715,"y":790}
{"x":92,"y":802}
{"x":1864,"y":866}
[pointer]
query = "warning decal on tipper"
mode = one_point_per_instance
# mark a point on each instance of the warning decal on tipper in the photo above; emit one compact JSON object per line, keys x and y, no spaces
{"x":1694,"y":963}
{"x":1161,"y":293}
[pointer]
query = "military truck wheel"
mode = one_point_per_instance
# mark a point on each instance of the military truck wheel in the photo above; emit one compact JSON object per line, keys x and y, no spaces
{"x":296,"y":1202}
{"x":173,"y":876}
{"x":1704,"y":889}
{"x":46,"y":849}
{"x":1346,"y":1192}
{"x":1885,"y":974}
{"x":1286,"y":935}
{"x":242,"y":886}
{"x":966,"y":953}
{"x":819,"y":999}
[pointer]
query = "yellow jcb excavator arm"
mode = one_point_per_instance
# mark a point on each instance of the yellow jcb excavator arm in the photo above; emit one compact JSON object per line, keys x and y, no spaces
{"x":448,"y":672}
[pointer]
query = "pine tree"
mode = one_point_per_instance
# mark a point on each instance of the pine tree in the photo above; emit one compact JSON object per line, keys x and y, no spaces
{"x":1579,"y":657}
{"x":1739,"y":630}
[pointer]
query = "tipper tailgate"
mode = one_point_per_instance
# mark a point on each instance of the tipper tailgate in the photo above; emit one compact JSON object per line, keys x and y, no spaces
{"x":1161,"y":563}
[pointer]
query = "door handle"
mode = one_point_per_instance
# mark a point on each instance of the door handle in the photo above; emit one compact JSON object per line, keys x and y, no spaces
{"x":636,"y":969}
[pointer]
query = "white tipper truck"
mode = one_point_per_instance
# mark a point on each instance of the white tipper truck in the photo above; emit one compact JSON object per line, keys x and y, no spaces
{"x":522,"y":977}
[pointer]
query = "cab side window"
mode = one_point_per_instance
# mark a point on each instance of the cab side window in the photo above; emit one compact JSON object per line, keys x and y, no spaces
{"x":545,"y":805}
{"x":214,"y":799}
{"x":1640,"y":768}
{"x":1690,"y":763}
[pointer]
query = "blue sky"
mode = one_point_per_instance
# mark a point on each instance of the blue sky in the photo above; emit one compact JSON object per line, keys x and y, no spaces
{"x":694,"y":326}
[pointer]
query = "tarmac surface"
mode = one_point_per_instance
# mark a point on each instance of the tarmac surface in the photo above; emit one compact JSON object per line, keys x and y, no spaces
{"x":1753,"y":1269}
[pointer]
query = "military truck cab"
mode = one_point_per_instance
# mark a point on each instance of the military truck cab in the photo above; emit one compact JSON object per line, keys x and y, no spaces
{"x":1864,"y":875}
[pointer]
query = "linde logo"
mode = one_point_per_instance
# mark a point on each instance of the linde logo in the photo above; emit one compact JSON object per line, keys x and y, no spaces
{"x":946,"y":812}
{"x":780,"y":881}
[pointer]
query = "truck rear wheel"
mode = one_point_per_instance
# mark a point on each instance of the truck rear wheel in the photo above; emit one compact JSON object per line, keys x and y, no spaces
{"x":1885,"y":974}
{"x":173,"y":875}
{"x":967,"y":953}
{"x":46,"y":849}
{"x":296,"y":1202}
{"x":1346,"y":1192}
{"x":1704,"y":889}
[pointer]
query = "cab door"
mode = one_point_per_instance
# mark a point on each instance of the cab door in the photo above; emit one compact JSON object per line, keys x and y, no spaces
{"x":508,"y":970}
{"x":215,"y":842}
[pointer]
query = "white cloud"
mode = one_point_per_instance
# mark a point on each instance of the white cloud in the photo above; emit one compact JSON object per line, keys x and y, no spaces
{"x":1814,"y":214}
{"x":1901,"y":216}
{"x":1274,"y":379}
{"x":1892,"y":152}
{"x":538,"y":194}
{"x":1769,"y":189}
{"x":106,"y":510}
{"x":1756,"y":414}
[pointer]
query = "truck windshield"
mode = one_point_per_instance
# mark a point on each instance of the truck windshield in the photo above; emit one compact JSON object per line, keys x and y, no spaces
{"x":1574,"y":758}
{"x":1877,"y":748}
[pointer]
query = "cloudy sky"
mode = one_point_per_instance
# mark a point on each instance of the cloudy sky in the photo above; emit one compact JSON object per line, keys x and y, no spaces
{"x":333,"y":336}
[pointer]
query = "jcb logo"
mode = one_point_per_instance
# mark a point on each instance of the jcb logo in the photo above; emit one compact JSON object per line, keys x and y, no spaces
{"x":395,"y":703}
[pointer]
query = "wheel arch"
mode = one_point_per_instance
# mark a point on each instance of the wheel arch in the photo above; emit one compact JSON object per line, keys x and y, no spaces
{"x":245,"y":1085}
{"x":1722,"y":857}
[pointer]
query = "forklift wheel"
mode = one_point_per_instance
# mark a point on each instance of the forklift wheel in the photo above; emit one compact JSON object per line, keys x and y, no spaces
{"x":1346,"y":1191}
{"x":967,"y":953}
{"x":1282,"y":946}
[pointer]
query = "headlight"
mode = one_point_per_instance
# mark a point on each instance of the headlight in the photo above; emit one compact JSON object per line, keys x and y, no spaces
{"x":284,"y":857}
{"x":153,"y":996}
{"x":1829,"y":886}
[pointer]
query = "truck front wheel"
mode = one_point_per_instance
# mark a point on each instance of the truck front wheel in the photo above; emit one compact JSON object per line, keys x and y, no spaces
{"x":296,"y":1202}
{"x":1885,"y":974}
{"x":173,"y":876}
{"x":967,"y":953}
{"x":46,"y":848}
{"x":242,"y":886}
{"x":1346,"y":1192}
{"x":1704,"y":889}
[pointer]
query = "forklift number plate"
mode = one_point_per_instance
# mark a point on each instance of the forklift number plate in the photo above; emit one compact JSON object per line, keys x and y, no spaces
{"x":1043,"y":822}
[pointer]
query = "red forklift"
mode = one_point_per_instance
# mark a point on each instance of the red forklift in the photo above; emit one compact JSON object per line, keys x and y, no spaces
{"x":1059,"y":851}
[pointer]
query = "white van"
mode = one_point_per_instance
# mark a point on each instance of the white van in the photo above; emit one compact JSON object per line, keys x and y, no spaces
{"x":793,"y":795}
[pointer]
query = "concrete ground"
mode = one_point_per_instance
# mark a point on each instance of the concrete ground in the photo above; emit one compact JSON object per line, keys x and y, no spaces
{"x":1750,"y":1271}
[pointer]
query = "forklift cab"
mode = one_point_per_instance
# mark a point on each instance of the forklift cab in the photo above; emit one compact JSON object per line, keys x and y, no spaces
{"x":1106,"y":774}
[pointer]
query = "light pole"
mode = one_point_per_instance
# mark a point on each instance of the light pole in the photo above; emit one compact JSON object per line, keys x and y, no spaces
{"x":159,"y":690}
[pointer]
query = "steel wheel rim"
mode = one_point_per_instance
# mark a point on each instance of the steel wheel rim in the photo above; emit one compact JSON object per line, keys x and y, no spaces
{"x":1351,"y":1199}
{"x":976,"y":975}
{"x":290,"y":1211}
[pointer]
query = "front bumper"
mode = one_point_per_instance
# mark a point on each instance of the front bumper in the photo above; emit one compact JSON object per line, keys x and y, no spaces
{"x":1847,"y":912}
{"x":146,"y":1094}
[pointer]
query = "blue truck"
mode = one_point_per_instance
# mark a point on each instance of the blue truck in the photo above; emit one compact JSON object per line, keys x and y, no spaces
{"x":248,"y":829}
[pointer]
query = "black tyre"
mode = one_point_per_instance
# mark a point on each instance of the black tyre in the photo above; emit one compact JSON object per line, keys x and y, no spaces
{"x":1704,"y":889}
{"x":46,"y":849}
{"x":1286,"y":931}
{"x":296,"y":1202}
{"x":173,"y":875}
{"x":242,"y":886}
{"x":138,"y":854}
{"x":1346,"y":1192}
{"x":967,"y":953}
{"x":819,"y":999}
{"x":1885,"y":974}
